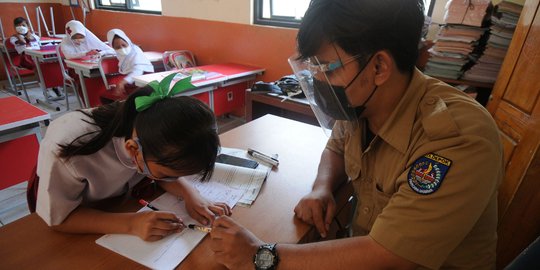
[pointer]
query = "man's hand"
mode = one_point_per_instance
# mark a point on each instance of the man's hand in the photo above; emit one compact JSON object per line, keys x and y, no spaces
{"x":233,"y":245}
{"x":317,"y":208}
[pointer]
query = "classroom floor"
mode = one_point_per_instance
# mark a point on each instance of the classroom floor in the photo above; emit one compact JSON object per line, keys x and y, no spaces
{"x":13,"y":199}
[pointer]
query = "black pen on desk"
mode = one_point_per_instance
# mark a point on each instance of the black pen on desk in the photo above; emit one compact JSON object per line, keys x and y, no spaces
{"x":263,"y":157}
{"x":147,"y":204}
{"x":200,"y":228}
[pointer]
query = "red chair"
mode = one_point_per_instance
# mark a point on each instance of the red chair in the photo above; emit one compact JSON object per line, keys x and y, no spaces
{"x":178,"y":60}
{"x":15,"y":72}
{"x":108,"y":68}
{"x":32,"y":190}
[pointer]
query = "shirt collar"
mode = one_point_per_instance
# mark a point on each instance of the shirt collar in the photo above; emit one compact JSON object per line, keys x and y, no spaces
{"x":396,"y":131}
{"x":122,"y":154}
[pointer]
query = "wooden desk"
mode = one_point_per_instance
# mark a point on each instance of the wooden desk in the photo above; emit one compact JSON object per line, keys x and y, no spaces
{"x":259,"y":104}
{"x":20,"y":135}
{"x":88,"y":71}
{"x":29,"y":244}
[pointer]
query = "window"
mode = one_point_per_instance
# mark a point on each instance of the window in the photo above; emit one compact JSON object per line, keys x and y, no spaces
{"x":146,"y":6}
{"x":289,"y":13}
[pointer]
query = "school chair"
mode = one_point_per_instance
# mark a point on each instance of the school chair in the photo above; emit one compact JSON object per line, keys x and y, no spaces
{"x":14,"y":72}
{"x":68,"y":81}
{"x":178,"y":59}
{"x":32,"y":190}
{"x":108,"y":69}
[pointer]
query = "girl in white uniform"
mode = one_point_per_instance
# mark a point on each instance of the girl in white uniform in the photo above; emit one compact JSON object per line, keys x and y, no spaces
{"x":91,"y":155}
{"x":80,"y":42}
{"x":131,"y":59}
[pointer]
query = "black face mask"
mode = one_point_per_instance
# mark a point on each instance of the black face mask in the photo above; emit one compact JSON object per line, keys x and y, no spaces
{"x":332,"y":99}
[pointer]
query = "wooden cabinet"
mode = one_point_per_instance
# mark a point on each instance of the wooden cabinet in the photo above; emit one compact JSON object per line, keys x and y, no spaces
{"x":516,"y":109}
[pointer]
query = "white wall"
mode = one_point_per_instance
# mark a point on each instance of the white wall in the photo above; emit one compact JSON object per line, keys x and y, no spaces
{"x":235,"y":11}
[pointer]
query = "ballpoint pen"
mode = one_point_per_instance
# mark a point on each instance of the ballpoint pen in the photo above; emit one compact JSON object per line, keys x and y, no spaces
{"x":263,"y":157}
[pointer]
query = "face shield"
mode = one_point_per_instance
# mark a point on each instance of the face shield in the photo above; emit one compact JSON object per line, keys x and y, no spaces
{"x":324,"y":85}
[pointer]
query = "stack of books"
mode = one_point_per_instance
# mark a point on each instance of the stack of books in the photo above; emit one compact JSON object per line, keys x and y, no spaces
{"x":460,"y":40}
{"x":504,"y":20}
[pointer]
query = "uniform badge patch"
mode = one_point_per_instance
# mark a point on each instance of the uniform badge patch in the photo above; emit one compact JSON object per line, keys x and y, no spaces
{"x":427,"y":173}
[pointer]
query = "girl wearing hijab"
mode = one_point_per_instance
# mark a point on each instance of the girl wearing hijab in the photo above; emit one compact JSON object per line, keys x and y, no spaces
{"x":80,"y":42}
{"x":131,"y":59}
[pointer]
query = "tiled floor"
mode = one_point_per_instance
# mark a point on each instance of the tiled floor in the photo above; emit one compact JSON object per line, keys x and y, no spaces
{"x":13,"y":199}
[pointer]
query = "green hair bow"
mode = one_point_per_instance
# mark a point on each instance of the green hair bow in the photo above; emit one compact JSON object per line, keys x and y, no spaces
{"x":162,"y":91}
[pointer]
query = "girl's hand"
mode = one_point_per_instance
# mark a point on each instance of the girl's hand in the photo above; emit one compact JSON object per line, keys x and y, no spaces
{"x":121,"y":87}
{"x":203,"y":210}
{"x":155,"y":225}
{"x":92,"y":52}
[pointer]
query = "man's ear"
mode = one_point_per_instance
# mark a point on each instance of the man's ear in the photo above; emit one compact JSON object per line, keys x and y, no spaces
{"x":132,"y":147}
{"x":384,"y":66}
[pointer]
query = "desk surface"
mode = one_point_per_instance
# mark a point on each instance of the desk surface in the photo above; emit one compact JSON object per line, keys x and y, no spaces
{"x":83,"y":65}
{"x":227,"y":71}
{"x":29,"y":244}
{"x":15,"y":112}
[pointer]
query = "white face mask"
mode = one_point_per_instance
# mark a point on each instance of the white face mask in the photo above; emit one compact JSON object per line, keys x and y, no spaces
{"x":78,"y":41}
{"x":123,"y":51}
{"x":21,"y":30}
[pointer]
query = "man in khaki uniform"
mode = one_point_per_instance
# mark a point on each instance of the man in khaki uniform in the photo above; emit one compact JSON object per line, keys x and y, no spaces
{"x":424,"y":158}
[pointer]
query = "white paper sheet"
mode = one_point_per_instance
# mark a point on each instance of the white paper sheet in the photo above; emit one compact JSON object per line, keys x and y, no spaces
{"x":173,"y":249}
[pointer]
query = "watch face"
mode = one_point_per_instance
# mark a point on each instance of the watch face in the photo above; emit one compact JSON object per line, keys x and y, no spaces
{"x":265,"y":259}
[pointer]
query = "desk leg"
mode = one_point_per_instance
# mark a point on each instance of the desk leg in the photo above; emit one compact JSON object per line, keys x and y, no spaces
{"x":86,"y":101}
{"x":48,"y":101}
{"x":249,"y":106}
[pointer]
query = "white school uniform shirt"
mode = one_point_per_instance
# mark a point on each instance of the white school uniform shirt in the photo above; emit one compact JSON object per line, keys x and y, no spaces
{"x":66,"y":184}
{"x":133,"y":64}
{"x":91,"y":42}
{"x":34,"y":45}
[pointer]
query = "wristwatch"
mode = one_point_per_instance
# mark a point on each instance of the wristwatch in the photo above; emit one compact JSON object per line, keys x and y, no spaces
{"x":266,"y":257}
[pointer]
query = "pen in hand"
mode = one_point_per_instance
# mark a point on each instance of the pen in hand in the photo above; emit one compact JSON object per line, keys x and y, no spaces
{"x":200,"y":228}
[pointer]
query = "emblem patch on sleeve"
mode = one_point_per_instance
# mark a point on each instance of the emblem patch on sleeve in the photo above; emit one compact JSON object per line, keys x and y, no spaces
{"x":427,"y":173}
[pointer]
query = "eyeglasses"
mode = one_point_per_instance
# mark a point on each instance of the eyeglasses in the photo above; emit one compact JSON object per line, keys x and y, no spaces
{"x":328,"y":67}
{"x":146,"y":170}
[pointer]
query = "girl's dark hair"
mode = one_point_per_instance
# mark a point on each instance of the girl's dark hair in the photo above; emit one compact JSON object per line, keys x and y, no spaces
{"x":178,"y":133}
{"x":363,"y":27}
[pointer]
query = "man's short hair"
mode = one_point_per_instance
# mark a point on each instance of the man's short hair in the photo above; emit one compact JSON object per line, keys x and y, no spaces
{"x":364,"y":27}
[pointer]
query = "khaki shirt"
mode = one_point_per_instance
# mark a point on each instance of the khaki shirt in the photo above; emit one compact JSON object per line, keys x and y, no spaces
{"x":454,"y":224}
{"x":64,"y":185}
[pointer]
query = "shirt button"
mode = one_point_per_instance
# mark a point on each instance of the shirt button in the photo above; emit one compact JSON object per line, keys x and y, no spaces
{"x":430,"y":101}
{"x":365,"y":210}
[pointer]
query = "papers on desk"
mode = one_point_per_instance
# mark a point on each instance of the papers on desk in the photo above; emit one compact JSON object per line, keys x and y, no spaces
{"x":196,"y":74}
{"x":229,"y":184}
{"x":173,"y":249}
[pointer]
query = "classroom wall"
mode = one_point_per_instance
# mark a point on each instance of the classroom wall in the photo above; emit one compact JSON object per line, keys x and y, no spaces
{"x":210,"y":41}
{"x":9,"y":11}
{"x":237,"y":11}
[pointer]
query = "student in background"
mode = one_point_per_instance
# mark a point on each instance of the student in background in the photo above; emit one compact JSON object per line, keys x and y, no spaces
{"x":24,"y":38}
{"x":131,"y":59}
{"x":425,"y":159}
{"x":91,"y":155}
{"x":80,"y":42}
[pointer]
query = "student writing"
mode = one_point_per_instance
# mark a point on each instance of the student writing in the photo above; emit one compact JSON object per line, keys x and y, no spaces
{"x":131,"y":59}
{"x":80,"y":42}
{"x":91,"y":155}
